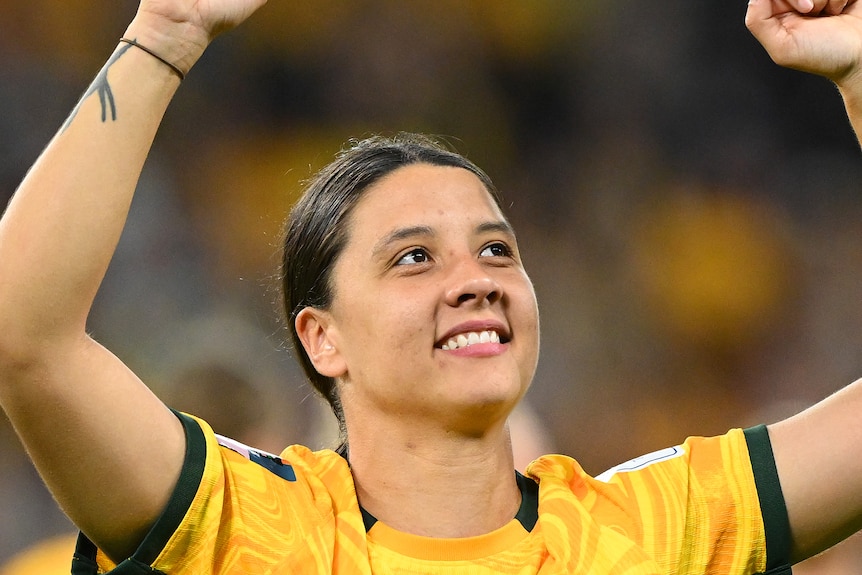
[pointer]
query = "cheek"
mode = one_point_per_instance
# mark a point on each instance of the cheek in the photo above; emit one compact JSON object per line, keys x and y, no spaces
{"x":406,"y":328}
{"x":528,"y":311}
{"x":388,"y":326}
{"x":527,"y":304}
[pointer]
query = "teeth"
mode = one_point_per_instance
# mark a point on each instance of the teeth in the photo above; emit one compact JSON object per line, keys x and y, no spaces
{"x":474,"y":337}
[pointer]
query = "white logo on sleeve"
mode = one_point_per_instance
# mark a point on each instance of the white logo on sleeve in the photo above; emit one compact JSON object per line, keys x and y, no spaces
{"x":642,"y":461}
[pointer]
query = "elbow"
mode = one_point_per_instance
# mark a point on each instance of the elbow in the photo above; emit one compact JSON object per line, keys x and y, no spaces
{"x":28,"y":339}
{"x":25,"y":352}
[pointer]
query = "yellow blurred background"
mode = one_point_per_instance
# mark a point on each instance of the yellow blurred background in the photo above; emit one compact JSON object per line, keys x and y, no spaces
{"x":688,"y":212}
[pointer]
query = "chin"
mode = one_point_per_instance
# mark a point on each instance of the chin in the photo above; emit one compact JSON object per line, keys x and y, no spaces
{"x":481,"y":414}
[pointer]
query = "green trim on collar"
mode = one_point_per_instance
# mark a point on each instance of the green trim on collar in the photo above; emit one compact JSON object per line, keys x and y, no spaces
{"x":528,"y":512}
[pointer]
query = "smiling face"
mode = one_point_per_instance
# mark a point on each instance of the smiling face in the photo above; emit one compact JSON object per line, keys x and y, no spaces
{"x":433,"y":316}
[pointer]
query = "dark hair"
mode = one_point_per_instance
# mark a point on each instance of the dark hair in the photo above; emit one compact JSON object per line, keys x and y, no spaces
{"x":316,"y":229}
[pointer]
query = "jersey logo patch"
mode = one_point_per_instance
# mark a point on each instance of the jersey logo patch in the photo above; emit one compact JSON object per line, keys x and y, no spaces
{"x":642,"y":461}
{"x":268,"y":461}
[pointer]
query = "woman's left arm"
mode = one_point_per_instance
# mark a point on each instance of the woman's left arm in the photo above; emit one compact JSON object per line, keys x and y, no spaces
{"x":818,"y":453}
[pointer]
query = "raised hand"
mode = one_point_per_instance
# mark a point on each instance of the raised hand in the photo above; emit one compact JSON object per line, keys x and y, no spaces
{"x":180,"y":30}
{"x":210,"y":16}
{"x":823,"y":37}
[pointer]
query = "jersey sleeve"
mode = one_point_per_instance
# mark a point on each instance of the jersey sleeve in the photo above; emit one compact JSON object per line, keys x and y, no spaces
{"x":234,"y":509}
{"x":711,"y":505}
{"x":773,"y":509}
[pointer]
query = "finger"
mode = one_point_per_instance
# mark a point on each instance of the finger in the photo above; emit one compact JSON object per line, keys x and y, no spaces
{"x":759,"y":18}
{"x":806,"y":6}
{"x":764,"y":22}
{"x":835,"y":7}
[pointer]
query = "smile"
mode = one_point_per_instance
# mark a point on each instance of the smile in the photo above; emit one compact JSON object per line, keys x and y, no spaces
{"x":471,"y":338}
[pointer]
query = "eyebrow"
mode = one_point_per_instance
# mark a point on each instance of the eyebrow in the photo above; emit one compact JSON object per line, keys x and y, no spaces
{"x":410,"y":232}
{"x":399,"y":235}
{"x":501,"y":226}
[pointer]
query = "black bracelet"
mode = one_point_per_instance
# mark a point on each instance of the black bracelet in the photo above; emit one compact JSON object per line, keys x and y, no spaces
{"x":173,"y":67}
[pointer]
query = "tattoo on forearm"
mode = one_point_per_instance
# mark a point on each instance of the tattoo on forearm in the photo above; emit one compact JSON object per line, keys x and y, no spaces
{"x":101,"y":86}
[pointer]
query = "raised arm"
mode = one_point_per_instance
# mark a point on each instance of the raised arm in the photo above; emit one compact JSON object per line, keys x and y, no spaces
{"x":818,"y":453}
{"x":108,"y":449}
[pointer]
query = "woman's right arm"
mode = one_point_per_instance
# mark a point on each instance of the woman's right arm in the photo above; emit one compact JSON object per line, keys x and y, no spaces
{"x":107,"y":448}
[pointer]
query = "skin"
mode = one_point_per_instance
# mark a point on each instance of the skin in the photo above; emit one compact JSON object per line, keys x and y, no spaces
{"x":828,"y":437}
{"x":429,"y":256}
{"x":67,"y":396}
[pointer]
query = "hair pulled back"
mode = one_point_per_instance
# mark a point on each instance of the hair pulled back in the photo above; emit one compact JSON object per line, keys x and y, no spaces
{"x":316,"y":230}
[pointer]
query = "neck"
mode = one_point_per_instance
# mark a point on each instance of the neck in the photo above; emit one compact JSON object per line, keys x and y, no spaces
{"x":433,"y":482}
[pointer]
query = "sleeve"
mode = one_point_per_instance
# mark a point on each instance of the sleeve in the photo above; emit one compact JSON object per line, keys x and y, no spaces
{"x":708,"y":506}
{"x":234,"y":510}
{"x":776,"y":523}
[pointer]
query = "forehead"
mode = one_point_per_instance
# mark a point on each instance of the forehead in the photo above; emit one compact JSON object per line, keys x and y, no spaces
{"x":424,"y":194}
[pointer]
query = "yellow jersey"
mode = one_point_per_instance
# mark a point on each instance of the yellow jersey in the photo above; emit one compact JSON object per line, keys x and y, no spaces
{"x":707,"y":506}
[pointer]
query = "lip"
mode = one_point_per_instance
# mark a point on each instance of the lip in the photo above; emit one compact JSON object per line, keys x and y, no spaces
{"x":476,"y":325}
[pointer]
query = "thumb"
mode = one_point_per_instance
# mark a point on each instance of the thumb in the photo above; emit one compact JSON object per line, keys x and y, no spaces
{"x":760,"y":19}
{"x":772,"y":23}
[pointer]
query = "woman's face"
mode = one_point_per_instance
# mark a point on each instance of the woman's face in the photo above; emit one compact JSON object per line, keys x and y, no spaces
{"x":433,"y":315}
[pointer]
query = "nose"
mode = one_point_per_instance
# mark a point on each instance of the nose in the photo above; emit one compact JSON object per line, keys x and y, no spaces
{"x":471,"y":284}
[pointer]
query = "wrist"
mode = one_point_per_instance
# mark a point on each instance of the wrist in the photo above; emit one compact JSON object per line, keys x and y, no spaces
{"x":179,"y":43}
{"x":850,"y":88}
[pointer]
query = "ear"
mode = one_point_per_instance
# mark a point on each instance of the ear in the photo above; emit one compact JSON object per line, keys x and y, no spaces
{"x":319,"y":335}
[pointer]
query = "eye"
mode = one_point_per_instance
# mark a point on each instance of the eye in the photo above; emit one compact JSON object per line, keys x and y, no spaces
{"x":497,"y":249}
{"x":413,"y":257}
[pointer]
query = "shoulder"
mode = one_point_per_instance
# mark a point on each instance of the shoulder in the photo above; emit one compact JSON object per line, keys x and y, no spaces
{"x":296,"y":468}
{"x":732,"y":452}
{"x":235,"y":504}
{"x":702,"y":475}
{"x":271,"y":463}
{"x":717,"y":483}
{"x":724,"y":454}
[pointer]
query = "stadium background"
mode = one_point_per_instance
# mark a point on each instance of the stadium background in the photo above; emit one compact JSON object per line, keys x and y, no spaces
{"x":688,"y":211}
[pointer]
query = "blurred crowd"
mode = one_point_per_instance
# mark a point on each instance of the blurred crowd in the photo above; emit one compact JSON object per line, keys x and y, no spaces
{"x":688,"y":211}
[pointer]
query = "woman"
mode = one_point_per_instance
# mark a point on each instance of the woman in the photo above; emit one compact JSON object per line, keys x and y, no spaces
{"x":417,"y":321}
